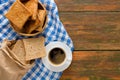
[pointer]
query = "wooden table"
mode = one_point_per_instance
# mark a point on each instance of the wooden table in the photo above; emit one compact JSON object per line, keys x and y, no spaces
{"x":94,"y":26}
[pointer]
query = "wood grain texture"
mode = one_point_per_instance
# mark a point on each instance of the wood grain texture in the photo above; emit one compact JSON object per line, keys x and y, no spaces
{"x":93,"y":30}
{"x":88,"y":5}
{"x":94,"y":65}
{"x":94,"y":26}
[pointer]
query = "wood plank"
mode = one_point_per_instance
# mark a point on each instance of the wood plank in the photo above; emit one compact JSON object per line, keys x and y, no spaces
{"x":94,"y":65}
{"x":93,"y":30}
{"x":88,"y":5}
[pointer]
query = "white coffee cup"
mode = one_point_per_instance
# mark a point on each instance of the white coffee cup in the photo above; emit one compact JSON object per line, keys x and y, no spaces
{"x":58,"y":56}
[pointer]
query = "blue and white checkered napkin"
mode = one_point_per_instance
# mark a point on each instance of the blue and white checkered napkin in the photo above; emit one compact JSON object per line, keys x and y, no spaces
{"x":54,"y":31}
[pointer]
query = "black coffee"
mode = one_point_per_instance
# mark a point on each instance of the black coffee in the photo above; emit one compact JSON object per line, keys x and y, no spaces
{"x":56,"y":56}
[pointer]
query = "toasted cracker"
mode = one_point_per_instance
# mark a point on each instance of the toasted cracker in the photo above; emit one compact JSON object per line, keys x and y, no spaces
{"x":41,"y":17}
{"x":32,"y":5}
{"x":19,"y":51}
{"x":34,"y":48}
{"x":18,"y":14}
{"x":31,"y":25}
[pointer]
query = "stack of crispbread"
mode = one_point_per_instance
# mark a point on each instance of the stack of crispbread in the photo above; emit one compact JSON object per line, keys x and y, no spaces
{"x":29,"y":49}
{"x":27,"y":17}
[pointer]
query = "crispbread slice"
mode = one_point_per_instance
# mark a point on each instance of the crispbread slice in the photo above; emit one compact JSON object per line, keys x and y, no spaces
{"x":32,"y":6}
{"x":34,"y":48}
{"x":18,"y":14}
{"x":41,"y":17}
{"x":31,"y":25}
{"x":19,"y":51}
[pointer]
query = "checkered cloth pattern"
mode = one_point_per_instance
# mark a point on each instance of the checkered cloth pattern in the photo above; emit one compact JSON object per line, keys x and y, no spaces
{"x":54,"y":31}
{"x":2,"y":1}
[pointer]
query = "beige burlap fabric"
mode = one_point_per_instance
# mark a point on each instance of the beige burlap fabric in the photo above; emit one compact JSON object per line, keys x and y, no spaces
{"x":17,"y":57}
{"x":11,"y":67}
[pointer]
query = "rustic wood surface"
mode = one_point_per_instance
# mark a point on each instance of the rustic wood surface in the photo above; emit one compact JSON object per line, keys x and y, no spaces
{"x":88,"y":5}
{"x":93,"y":30}
{"x":94,"y":26}
{"x":94,"y":65}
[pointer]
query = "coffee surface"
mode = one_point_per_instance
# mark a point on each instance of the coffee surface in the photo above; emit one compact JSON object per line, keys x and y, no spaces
{"x":56,"y":56}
